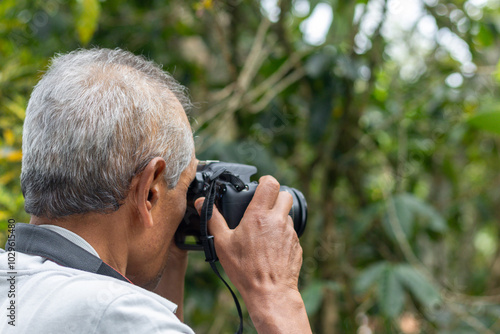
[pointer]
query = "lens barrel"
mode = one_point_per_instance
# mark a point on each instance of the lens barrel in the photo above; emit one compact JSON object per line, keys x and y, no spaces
{"x":299,"y":209}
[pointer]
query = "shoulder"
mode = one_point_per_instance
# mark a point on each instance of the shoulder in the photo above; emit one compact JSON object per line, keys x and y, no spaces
{"x":55,"y":298}
{"x":120,"y":307}
{"x":115,"y":306}
{"x":133,"y":312}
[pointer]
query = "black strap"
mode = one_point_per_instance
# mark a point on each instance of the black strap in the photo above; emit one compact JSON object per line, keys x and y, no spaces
{"x":238,"y":307}
{"x":206,"y":213}
{"x":208,"y":242}
{"x":36,"y":240}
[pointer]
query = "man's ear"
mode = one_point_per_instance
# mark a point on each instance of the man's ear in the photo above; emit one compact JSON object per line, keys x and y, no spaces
{"x":147,"y":190}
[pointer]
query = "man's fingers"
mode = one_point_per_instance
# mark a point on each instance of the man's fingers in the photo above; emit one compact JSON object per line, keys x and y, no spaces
{"x":284,"y":202}
{"x":217,"y":224}
{"x":266,"y":194}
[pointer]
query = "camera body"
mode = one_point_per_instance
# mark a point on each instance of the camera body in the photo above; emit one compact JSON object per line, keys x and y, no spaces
{"x":233,"y":193}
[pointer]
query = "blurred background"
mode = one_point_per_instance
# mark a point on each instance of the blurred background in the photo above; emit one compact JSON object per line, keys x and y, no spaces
{"x":384,"y":113}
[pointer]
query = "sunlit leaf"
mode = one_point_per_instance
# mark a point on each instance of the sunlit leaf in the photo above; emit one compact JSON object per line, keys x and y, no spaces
{"x":485,"y":36}
{"x":489,"y":121}
{"x":15,"y":156}
{"x":16,"y":107}
{"x":9,"y":137}
{"x":7,"y":177}
{"x":87,"y":19}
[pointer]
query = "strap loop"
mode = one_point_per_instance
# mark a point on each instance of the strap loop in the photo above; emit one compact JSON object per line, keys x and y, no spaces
{"x":208,"y":240}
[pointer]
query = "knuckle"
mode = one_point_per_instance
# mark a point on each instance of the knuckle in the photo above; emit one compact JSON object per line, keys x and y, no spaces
{"x":300,"y":251}
{"x":288,"y":230}
{"x":260,"y":217}
{"x":280,"y":219}
{"x":287,"y":195}
{"x":270,"y":182}
{"x":283,"y":220}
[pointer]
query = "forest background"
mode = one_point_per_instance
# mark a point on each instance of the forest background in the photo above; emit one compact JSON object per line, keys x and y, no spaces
{"x":384,"y":113}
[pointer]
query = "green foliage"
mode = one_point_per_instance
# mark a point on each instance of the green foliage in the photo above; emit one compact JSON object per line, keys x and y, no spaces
{"x":391,"y":132}
{"x":413,"y":215}
{"x":87,"y":16}
{"x":421,"y":288}
{"x":313,"y":297}
{"x":314,"y":292}
{"x":489,"y":121}
{"x":390,"y":282}
{"x":390,"y":293}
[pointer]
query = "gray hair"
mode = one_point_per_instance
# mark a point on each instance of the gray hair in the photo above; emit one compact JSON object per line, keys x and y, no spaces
{"x":93,"y":122}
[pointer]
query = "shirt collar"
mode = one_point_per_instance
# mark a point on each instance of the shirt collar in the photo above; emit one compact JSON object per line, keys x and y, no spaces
{"x":73,"y":237}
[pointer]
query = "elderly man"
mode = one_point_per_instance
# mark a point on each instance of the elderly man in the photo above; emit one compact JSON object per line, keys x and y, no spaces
{"x":108,"y":158}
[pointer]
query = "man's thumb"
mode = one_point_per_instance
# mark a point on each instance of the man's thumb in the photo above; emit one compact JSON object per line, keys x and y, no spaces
{"x":217,"y":224}
{"x":198,"y":204}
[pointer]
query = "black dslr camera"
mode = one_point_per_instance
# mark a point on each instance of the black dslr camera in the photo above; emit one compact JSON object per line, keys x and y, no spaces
{"x":233,"y":193}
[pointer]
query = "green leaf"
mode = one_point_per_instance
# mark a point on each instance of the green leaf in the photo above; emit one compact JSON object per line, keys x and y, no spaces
{"x":370,"y":276}
{"x":403,"y":215}
{"x":485,"y":35}
{"x":489,"y":121}
{"x":87,"y":18}
{"x":425,"y":212}
{"x":404,"y":206}
{"x":391,"y":296}
{"x":410,"y":210}
{"x":423,"y":290}
{"x":313,"y":296}
{"x":365,"y":219}
{"x":434,"y":219}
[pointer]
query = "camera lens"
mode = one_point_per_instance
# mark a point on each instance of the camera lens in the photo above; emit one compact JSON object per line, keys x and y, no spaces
{"x":299,"y":209}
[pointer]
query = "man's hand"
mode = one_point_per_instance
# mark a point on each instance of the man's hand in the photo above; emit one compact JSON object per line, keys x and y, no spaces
{"x":262,"y":258}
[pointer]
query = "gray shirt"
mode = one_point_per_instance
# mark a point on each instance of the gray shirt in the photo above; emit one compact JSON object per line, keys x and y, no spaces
{"x":43,"y":297}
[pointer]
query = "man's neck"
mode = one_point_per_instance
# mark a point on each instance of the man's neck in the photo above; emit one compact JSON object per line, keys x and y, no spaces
{"x":104,"y":232}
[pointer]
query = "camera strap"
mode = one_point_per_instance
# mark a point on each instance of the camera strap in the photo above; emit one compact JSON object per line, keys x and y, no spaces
{"x":208,"y":240}
{"x":36,"y":240}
